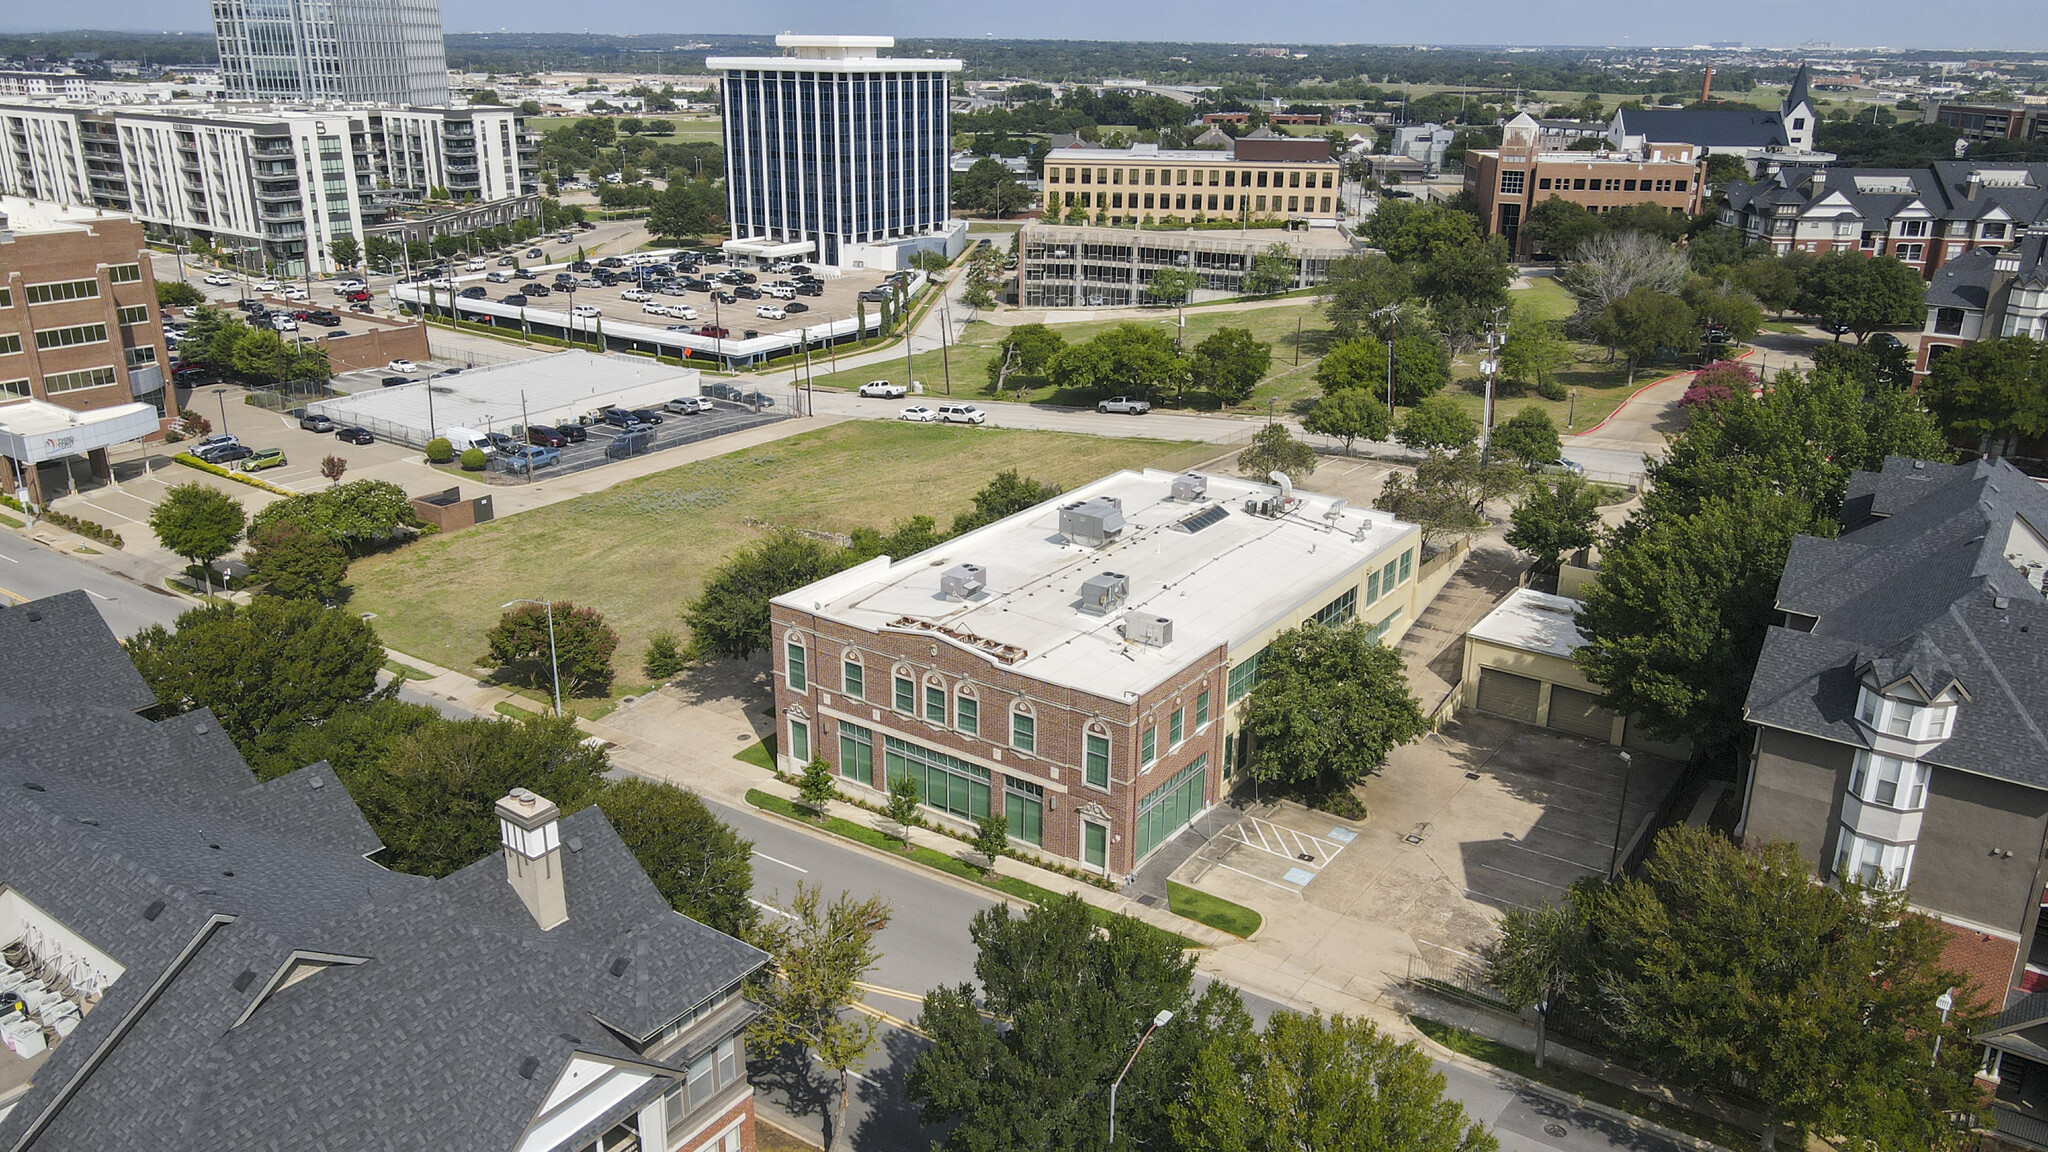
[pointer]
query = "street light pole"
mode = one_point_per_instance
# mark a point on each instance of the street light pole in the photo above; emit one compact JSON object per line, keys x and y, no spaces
{"x":1158,"y":1022}
{"x":1614,"y":855}
{"x":221,"y":394}
{"x":554,"y":664}
{"x":1945,"y":1001}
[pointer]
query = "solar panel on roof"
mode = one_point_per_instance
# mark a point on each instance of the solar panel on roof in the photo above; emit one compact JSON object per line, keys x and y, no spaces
{"x":1211,"y":515}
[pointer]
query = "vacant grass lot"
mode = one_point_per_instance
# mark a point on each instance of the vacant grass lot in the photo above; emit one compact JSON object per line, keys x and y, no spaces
{"x":640,"y":550}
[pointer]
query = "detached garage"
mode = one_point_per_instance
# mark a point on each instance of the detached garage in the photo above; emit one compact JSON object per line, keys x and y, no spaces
{"x":1518,"y":664}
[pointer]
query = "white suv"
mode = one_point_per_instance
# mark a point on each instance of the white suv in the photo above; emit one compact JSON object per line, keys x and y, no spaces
{"x":635,"y":295}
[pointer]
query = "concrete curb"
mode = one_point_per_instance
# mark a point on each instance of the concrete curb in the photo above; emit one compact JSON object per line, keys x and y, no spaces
{"x":1629,"y":1119}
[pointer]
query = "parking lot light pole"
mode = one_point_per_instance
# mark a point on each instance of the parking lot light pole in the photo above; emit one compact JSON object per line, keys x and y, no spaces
{"x":553,"y":664}
{"x":1158,"y":1022}
{"x":1614,"y":854}
{"x":221,"y":394}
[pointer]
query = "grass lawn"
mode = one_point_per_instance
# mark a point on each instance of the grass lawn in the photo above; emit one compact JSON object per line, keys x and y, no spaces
{"x":1218,"y":913}
{"x":761,"y":753}
{"x":1008,"y":885}
{"x":405,"y":671}
{"x":1581,"y":1084}
{"x":639,"y":551}
{"x":1280,"y":324}
{"x":1543,"y":299}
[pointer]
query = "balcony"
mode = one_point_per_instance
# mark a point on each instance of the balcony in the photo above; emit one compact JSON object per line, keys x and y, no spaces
{"x":288,"y":191}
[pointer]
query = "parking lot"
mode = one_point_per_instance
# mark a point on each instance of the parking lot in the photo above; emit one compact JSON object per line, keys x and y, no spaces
{"x":604,"y":443}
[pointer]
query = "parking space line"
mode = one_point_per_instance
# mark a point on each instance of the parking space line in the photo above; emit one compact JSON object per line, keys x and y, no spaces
{"x":1520,"y":847}
{"x":1519,"y":876}
{"x":110,"y":512}
{"x":1260,"y":879}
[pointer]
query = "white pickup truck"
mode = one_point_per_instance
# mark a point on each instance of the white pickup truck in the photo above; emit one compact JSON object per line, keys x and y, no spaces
{"x":884,"y":389}
{"x":1128,"y":405}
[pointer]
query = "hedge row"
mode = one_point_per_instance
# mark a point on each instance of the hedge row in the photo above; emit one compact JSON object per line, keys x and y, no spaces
{"x":191,"y":461}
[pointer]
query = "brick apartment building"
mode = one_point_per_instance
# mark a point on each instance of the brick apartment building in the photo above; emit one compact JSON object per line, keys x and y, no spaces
{"x":1075,"y":667}
{"x":81,"y":340}
{"x":1260,"y":177}
{"x":1508,"y":182}
{"x":1923,"y":217}
{"x":1987,"y":293}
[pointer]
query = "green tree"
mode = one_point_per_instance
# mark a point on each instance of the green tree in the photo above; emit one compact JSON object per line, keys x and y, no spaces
{"x":529,"y":108}
{"x":821,"y":956}
{"x":1643,"y":322}
{"x":1557,"y":227}
{"x":266,"y":669}
{"x":1357,"y":292}
{"x":1464,"y":284}
{"x":1272,"y":450}
{"x":1410,"y":231}
{"x":729,"y":618}
{"x":1862,"y":292}
{"x":1990,"y":393}
{"x":429,"y":796}
{"x":1229,"y":363}
{"x":1359,"y":363}
{"x":1028,"y":350}
{"x":362,"y":515}
{"x":1004,"y":495}
{"x":1532,"y":962}
{"x":201,"y":524}
{"x":665,"y":659}
{"x":1172,"y":286}
{"x":989,"y":188}
{"x":818,"y":785}
{"x":1310,"y":1084}
{"x":1774,"y":281}
{"x":177,"y":294}
{"x":1272,"y":272}
{"x":907,"y":537}
{"x":1447,"y":495}
{"x":533,"y":643}
{"x":1437,"y":423}
{"x":1422,"y":366}
{"x":903,"y":803}
{"x":702,"y":867}
{"x":1065,"y":1004}
{"x":1731,"y":970}
{"x":1732,"y":308}
{"x":1529,"y":436}
{"x":1554,"y":519}
{"x":1129,"y":358}
{"x":1534,"y":350}
{"x":992,"y":837}
{"x":1717,"y":251}
{"x":484,"y":96}
{"x":287,"y":561}
{"x":1329,"y":705}
{"x":686,"y":208}
{"x":344,"y":251}
{"x":1349,"y":415}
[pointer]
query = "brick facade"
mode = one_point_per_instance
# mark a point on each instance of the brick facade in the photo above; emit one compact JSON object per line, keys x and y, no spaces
{"x":94,"y":334}
{"x":713,"y":1137}
{"x":1510,"y":182}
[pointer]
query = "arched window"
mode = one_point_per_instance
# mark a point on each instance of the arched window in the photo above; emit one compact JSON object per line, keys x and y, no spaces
{"x":852,"y":676}
{"x":1095,"y":755}
{"x":1023,"y":727}
{"x":795,"y":666}
{"x":966,"y":709}
{"x":935,"y":703}
{"x":905,"y":695}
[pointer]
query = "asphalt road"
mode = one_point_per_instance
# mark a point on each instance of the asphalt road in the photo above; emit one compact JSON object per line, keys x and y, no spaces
{"x":926,"y":945}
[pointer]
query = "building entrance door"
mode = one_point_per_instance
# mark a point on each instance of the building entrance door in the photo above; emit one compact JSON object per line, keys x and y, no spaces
{"x":1094,"y":844}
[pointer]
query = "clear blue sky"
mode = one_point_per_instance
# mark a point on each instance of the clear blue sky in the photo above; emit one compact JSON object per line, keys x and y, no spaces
{"x":2003,"y":24}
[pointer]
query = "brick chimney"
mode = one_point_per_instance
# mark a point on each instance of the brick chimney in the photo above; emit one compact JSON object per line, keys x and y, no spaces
{"x":529,"y":829}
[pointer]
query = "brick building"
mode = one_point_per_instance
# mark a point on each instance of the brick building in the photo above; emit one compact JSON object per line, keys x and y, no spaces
{"x":1076,"y":667}
{"x":1987,"y":293}
{"x":1924,"y":217}
{"x":1509,"y":181}
{"x":81,"y":340}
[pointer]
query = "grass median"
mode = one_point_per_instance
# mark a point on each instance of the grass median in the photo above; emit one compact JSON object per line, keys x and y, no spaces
{"x":876,"y":838}
{"x":640,"y":550}
{"x":1218,"y":913}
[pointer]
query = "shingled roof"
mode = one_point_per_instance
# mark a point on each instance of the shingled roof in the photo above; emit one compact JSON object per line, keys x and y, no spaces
{"x":1920,"y":586}
{"x":442,"y":1014}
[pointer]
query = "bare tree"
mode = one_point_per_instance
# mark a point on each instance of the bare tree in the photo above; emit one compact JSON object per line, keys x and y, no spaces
{"x":1612,"y":265}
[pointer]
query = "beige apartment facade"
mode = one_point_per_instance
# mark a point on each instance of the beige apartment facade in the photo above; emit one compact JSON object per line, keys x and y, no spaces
{"x":1259,"y":181}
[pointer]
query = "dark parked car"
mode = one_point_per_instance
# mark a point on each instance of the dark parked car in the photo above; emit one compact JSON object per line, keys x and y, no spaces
{"x":546,"y":437}
{"x":535,"y":254}
{"x":501,"y":443}
{"x":474,"y":292}
{"x":526,"y":274}
{"x":618,"y":417}
{"x":323,"y":318}
{"x":746,"y":293}
{"x":647,"y":415}
{"x":725,"y":297}
{"x":611,"y":262}
{"x":743,"y":277}
{"x":793,"y":307}
{"x":313,"y":422}
{"x":363,"y":307}
{"x":229,"y":454}
{"x":515,"y":299}
{"x":573,"y":433}
{"x":355,"y":436}
{"x":580,"y":266}
{"x":697,"y":285}
{"x":538,"y":289}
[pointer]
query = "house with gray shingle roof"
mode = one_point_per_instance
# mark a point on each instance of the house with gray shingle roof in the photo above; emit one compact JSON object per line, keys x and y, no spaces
{"x":194,"y":959}
{"x":1986,"y":294}
{"x":1901,"y":708}
{"x":1924,"y":217}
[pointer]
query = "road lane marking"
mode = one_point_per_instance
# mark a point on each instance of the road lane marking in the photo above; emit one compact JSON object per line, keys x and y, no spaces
{"x":97,"y":596}
{"x":9,"y":559}
{"x":766,"y":907}
{"x":17,"y":597}
{"x":784,"y":863}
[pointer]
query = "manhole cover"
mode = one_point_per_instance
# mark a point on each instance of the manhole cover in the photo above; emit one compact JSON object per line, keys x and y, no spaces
{"x":1553,"y":1130}
{"x":1148,"y":901}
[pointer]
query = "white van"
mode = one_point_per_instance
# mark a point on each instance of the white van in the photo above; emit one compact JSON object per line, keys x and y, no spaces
{"x":463,"y":439}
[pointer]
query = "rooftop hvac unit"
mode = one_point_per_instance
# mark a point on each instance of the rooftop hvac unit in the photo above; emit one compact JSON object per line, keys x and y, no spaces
{"x":963,"y":581}
{"x":1336,"y":511}
{"x":1093,"y":522}
{"x":1190,"y":486}
{"x":1104,"y":592}
{"x":1145,"y":628}
{"x":1268,"y":506}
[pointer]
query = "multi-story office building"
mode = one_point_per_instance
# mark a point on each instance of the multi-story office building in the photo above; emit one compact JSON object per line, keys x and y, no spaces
{"x":1924,"y":217}
{"x":1076,"y":667}
{"x":1991,"y":121}
{"x":206,"y":960}
{"x":1260,"y":180}
{"x":81,"y":341}
{"x":1066,"y":266}
{"x":376,"y":51}
{"x":271,"y":187}
{"x":837,"y":154}
{"x":1508,"y":182}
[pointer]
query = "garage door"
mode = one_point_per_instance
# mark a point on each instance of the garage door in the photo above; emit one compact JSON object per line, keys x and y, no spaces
{"x":1580,"y":713}
{"x":1509,"y":695}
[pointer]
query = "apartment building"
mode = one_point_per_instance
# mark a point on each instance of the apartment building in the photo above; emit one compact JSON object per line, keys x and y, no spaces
{"x":1895,"y":707}
{"x":210,"y":961}
{"x":1508,"y":182}
{"x":375,"y":51}
{"x":270,"y":186}
{"x":1077,"y":667}
{"x":1262,"y":181}
{"x":1069,"y":266}
{"x":1921,"y":216}
{"x":837,"y":154}
{"x":82,"y":350}
{"x":1987,"y":293}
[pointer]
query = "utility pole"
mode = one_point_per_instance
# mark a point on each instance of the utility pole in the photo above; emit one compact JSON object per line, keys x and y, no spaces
{"x":1491,"y":367}
{"x":524,"y":429}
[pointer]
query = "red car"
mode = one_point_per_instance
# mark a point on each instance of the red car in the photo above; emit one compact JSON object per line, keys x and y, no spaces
{"x":357,"y":297}
{"x":545,"y":437}
{"x":714,"y":331}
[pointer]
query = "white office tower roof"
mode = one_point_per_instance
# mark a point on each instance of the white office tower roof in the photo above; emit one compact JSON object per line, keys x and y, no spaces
{"x":834,"y":54}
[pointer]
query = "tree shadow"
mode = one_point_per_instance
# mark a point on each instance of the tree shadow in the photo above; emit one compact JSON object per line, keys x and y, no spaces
{"x":788,"y":1076}
{"x":886,"y":1118}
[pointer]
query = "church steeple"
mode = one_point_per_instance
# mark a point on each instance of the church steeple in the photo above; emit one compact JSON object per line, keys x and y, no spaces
{"x":1798,"y":94}
{"x":1797,"y":114}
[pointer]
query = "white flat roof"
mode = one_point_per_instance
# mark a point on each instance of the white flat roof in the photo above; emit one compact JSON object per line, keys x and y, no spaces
{"x":1224,"y":584}
{"x":554,"y":388}
{"x":29,"y":216}
{"x":1533,"y":621}
{"x":799,"y":40}
{"x":33,"y":431}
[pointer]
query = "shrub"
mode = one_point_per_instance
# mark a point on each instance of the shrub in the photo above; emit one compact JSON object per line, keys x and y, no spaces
{"x":1552,"y":390}
{"x":664,"y":657}
{"x":472,"y":460}
{"x":439,"y":450}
